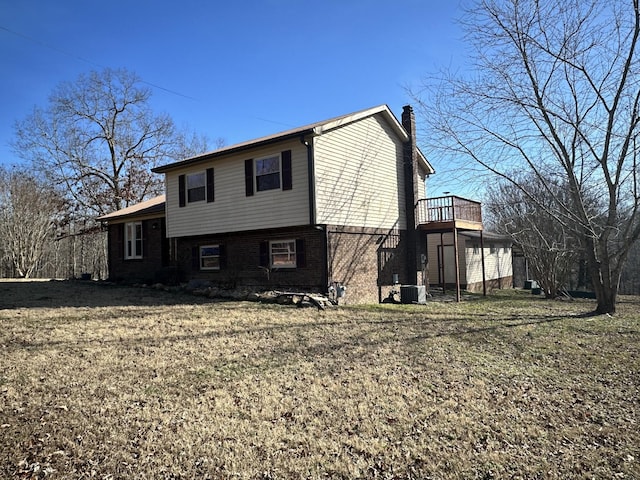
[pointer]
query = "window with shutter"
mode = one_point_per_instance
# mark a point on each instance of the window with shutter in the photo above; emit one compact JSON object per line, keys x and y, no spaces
{"x":282,"y":254}
{"x":196,"y":187}
{"x":268,"y":173}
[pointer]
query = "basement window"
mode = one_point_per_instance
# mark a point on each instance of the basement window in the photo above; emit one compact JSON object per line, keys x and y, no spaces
{"x":210,"y":257}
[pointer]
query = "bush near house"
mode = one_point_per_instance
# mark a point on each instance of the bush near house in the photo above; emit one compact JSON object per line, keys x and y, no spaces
{"x":110,"y":382}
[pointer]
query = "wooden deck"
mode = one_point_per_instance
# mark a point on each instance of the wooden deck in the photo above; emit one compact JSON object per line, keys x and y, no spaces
{"x":441,"y":214}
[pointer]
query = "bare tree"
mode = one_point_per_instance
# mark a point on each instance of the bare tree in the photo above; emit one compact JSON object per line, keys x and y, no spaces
{"x":29,"y":215}
{"x":99,"y":139}
{"x":551,"y":249}
{"x":556,"y":93}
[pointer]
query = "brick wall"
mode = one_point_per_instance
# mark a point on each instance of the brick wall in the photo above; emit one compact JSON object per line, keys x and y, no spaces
{"x":154,"y":253}
{"x":364,"y":260}
{"x":241,"y":260}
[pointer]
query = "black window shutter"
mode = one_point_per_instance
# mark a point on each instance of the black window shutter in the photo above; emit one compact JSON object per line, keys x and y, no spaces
{"x":286,"y":170}
{"x":222,"y":252}
{"x":264,"y":254}
{"x":301,"y":258}
{"x":248,"y":177}
{"x":210,"y":191}
{"x":195,"y":258}
{"x":181,"y":191}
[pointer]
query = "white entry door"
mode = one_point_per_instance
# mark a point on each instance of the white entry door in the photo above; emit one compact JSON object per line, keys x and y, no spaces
{"x":446,"y":269}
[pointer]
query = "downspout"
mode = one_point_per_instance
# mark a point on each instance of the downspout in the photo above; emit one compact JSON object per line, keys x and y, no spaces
{"x":311,"y":187}
{"x":311,"y":180}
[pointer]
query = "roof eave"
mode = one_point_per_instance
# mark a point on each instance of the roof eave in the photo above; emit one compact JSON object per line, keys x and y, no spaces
{"x":130,"y":216}
{"x":233,"y":149}
{"x":425,"y":163}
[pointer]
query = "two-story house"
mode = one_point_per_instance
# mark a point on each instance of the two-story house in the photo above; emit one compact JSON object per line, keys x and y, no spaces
{"x":323,"y":204}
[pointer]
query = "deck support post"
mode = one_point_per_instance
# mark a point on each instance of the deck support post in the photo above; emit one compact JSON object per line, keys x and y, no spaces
{"x":457,"y":262}
{"x":484,"y":276}
{"x":442,"y":264}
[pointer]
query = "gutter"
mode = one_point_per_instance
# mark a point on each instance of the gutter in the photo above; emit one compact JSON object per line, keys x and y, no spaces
{"x":230,"y":150}
{"x":311,"y":187}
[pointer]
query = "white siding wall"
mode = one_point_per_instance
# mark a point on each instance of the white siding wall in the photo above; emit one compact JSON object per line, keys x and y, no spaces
{"x":232,"y":210}
{"x":433,"y":243}
{"x":359,"y":176}
{"x":497,"y":264}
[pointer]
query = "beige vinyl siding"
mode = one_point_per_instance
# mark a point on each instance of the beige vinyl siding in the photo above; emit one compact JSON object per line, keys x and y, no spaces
{"x":422,"y":179}
{"x":232,"y":210}
{"x":359,"y":175}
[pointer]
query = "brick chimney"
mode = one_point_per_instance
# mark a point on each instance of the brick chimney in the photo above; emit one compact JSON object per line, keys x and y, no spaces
{"x":411,"y":185}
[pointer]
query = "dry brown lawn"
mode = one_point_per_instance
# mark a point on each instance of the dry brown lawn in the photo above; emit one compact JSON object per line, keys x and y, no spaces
{"x":110,"y":382}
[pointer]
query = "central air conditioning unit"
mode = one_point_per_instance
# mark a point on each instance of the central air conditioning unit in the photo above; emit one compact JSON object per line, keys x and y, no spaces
{"x":413,"y":294}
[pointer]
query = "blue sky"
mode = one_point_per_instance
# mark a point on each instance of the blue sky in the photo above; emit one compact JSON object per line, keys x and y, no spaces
{"x":231,"y":69}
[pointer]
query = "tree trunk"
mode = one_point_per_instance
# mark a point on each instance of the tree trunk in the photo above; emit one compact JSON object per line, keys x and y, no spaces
{"x":605,"y":289}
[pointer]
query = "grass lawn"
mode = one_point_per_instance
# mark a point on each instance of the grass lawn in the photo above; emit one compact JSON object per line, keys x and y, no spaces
{"x":109,"y":382}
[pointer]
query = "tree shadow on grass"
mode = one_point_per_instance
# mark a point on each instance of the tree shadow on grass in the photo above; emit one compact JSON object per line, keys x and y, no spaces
{"x":311,"y":340}
{"x":282,"y":342}
{"x":16,"y":294}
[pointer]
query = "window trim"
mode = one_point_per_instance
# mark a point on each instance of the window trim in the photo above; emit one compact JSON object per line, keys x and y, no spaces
{"x":292,"y":253}
{"x":135,"y":244}
{"x":201,"y":257}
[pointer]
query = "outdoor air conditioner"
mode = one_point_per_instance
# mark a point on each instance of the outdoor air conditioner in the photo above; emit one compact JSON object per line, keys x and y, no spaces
{"x":413,"y":294}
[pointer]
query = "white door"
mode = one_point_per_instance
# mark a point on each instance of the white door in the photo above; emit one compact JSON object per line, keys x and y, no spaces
{"x":446,"y":269}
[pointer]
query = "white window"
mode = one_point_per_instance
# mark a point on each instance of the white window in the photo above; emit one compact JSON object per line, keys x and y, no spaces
{"x":282,"y":254}
{"x":196,"y":187}
{"x":133,"y":240}
{"x":210,"y":257}
{"x":268,"y":173}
